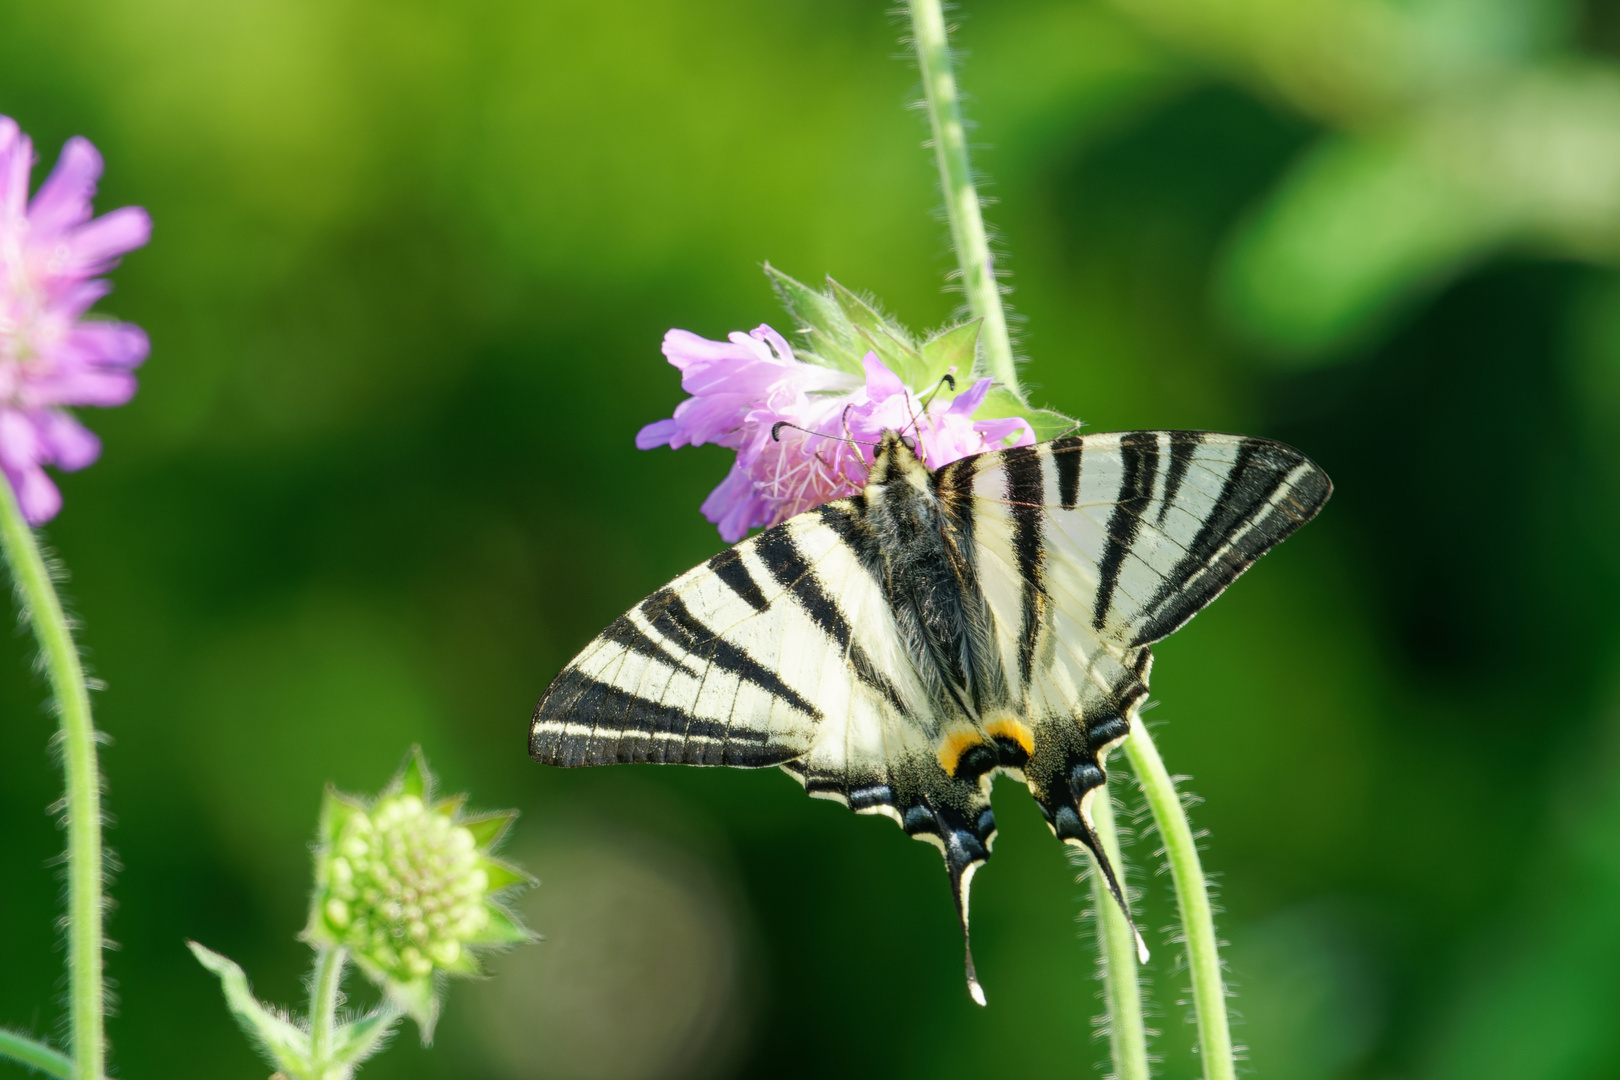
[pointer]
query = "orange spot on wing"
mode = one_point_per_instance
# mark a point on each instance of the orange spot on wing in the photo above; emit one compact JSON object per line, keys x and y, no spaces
{"x":955,"y":745}
{"x":1010,"y":727}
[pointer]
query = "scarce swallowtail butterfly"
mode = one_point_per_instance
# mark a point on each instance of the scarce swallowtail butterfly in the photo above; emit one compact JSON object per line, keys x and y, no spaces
{"x":896,"y":650}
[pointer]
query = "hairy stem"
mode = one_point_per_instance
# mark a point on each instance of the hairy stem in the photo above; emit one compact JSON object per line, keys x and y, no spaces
{"x":1192,"y":896}
{"x":35,"y":1055}
{"x":43,"y":610}
{"x":1122,"y":992}
{"x":962,"y":207}
{"x":325,"y":992}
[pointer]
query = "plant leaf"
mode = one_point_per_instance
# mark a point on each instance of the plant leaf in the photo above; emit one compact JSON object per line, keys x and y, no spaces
{"x":1000,"y":403}
{"x":954,"y":348}
{"x":358,"y":1040}
{"x":284,"y":1044}
{"x":831,"y":339}
{"x":882,"y":335}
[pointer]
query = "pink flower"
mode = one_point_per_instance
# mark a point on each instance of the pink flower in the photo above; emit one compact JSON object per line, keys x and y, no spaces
{"x":51,"y":257}
{"x":742,"y":389}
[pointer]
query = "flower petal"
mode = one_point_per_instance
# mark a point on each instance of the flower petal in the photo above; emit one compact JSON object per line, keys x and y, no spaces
{"x":68,"y":445}
{"x":881,"y":383}
{"x":63,"y":200}
{"x":19,"y":442}
{"x":37,"y":496}
{"x":735,"y":506}
{"x":968,"y":402}
{"x":95,"y":245}
{"x":16,"y":162}
{"x":657,"y":433}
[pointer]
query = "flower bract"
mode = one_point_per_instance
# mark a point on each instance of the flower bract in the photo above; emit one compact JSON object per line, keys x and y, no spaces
{"x":409,"y":887}
{"x":52,"y":258}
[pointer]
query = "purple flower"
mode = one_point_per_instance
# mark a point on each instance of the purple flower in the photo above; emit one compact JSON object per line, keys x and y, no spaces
{"x":51,"y":257}
{"x":742,"y":389}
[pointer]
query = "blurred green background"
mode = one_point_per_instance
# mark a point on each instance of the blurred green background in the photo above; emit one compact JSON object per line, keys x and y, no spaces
{"x":411,"y":266}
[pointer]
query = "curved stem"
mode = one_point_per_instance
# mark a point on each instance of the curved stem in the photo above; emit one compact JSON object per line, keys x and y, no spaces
{"x":324,"y":994}
{"x":1192,"y":896}
{"x":43,"y":610}
{"x":962,"y":207}
{"x":1122,"y":992}
{"x":35,"y":1055}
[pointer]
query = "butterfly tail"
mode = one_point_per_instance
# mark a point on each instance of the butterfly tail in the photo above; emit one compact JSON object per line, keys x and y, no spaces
{"x":964,"y":835}
{"x":1064,"y":774}
{"x":1093,"y":844}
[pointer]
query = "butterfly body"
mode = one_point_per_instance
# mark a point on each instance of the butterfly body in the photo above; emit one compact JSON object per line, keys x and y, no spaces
{"x":898,"y":649}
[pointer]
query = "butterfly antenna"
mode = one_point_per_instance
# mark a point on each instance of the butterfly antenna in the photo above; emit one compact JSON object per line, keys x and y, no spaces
{"x":776,"y":432}
{"x":943,"y":379}
{"x":1094,"y":843}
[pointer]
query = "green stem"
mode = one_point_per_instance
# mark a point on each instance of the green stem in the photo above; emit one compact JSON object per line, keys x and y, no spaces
{"x":1122,"y":992}
{"x":1192,"y":896}
{"x":43,"y":609}
{"x":35,"y":1055}
{"x":324,"y":994}
{"x":962,"y":207}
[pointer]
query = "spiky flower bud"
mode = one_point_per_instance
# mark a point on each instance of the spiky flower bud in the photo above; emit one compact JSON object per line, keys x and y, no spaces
{"x":408,"y":885}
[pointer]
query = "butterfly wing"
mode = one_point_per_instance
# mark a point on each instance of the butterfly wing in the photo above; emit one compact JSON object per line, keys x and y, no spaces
{"x":1090,"y":548}
{"x":782,"y":650}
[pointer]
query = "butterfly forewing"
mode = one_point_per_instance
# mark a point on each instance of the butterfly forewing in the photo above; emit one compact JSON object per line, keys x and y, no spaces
{"x":778,"y":650}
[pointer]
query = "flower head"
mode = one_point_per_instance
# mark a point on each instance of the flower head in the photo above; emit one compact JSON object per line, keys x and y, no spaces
{"x":408,"y":885}
{"x":744,"y":391}
{"x":52,"y":256}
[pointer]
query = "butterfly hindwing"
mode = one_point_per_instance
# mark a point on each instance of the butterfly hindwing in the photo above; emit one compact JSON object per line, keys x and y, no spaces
{"x":1091,"y":548}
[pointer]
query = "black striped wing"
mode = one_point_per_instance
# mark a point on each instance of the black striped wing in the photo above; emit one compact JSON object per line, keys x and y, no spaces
{"x":778,"y":651}
{"x":1089,"y":549}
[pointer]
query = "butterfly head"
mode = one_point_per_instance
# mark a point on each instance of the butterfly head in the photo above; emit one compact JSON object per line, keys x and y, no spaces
{"x":896,"y":461}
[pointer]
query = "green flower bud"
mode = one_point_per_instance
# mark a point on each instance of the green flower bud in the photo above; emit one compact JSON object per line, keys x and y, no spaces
{"x":408,"y":885}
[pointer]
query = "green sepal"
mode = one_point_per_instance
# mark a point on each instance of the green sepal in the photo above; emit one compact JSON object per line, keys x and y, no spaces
{"x":282,"y":1043}
{"x":465,"y":964}
{"x":503,"y":875}
{"x":1001,"y":403}
{"x":487,"y":829}
{"x":420,"y":1000}
{"x":413,"y":778}
{"x":449,"y":807}
{"x":336,"y":810}
{"x":950,"y":352}
{"x":830,"y":339}
{"x":502,"y":929}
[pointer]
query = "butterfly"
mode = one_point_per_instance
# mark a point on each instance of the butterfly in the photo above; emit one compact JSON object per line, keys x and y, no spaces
{"x":897,"y":650}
